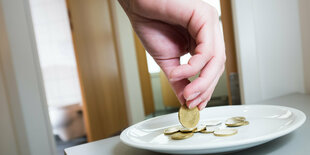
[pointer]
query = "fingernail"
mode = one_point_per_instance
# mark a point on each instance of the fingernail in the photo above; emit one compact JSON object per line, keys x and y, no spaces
{"x":195,"y":103}
{"x":193,"y":96}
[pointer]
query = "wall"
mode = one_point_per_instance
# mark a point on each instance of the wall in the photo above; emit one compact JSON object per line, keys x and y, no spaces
{"x":269,"y":48}
{"x":304,"y":11}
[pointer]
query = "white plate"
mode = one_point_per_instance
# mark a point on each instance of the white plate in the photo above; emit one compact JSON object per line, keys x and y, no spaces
{"x":267,"y":122}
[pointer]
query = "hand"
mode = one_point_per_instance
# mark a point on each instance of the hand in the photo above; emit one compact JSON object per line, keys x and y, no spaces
{"x":169,"y":29}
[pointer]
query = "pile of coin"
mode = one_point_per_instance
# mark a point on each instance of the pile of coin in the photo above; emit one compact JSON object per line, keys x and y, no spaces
{"x":180,"y":132}
{"x":189,"y":119}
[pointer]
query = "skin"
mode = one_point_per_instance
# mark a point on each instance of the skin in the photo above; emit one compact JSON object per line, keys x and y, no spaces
{"x":169,"y":29}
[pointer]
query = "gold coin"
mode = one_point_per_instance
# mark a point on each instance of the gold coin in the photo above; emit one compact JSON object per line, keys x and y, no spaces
{"x":204,"y":131}
{"x":246,"y":123}
{"x":187,"y":129}
{"x":234,"y":122}
{"x":171,"y":130}
{"x":180,"y":135}
{"x":225,"y":132}
{"x":199,"y":128}
{"x":189,"y":118}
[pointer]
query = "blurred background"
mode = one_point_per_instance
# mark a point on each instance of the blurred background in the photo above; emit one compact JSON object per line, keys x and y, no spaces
{"x":93,"y":77}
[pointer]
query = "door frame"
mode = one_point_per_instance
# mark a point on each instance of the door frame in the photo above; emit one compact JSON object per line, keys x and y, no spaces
{"x":126,"y":53}
{"x":231,"y":66}
{"x":23,"y":81}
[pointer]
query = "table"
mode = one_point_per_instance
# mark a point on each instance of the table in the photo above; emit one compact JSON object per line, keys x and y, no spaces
{"x":296,"y":143}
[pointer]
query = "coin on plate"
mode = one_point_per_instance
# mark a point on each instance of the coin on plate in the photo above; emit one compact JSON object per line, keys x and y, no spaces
{"x":181,"y":135}
{"x":225,"y":132}
{"x":187,"y":129}
{"x":234,"y":122}
{"x":199,"y":128}
{"x":189,"y":118}
{"x":241,"y":118}
{"x":171,"y":130}
{"x":246,"y":123}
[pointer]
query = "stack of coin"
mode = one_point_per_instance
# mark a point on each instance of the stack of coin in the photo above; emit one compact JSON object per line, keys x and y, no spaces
{"x":180,"y":132}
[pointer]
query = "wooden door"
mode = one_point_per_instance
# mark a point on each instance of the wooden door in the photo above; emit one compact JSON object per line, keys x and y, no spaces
{"x":98,"y":66}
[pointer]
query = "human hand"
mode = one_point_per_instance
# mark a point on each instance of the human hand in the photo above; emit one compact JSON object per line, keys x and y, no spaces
{"x":169,"y":29}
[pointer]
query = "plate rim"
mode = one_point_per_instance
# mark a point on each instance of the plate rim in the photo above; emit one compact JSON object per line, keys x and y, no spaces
{"x":264,"y":138}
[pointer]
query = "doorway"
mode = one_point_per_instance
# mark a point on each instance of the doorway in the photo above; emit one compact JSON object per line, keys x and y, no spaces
{"x":59,"y":71}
